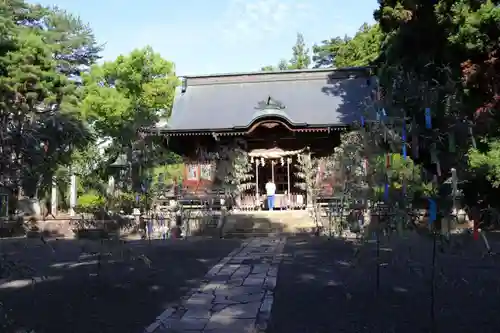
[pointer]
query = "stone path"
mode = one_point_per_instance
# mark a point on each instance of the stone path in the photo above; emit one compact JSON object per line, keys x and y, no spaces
{"x":236,"y":296}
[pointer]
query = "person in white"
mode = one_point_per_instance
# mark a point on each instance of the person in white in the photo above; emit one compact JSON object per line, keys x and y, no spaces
{"x":270,"y":192}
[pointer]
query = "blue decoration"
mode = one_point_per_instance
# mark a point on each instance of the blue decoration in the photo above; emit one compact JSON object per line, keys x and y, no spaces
{"x":432,"y":211}
{"x":362,"y":121}
{"x":384,"y":114}
{"x":150,"y":227}
{"x":428,"y":120}
{"x":386,"y":191}
{"x":378,"y":116}
{"x":404,"y":151}
{"x":137,"y":198}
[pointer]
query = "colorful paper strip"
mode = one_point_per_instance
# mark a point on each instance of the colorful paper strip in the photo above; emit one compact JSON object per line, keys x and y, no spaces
{"x":451,"y":142}
{"x":428,"y":119}
{"x":432,"y":211}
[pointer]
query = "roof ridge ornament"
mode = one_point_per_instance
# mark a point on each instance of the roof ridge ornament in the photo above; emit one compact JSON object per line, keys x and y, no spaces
{"x":270,"y":104}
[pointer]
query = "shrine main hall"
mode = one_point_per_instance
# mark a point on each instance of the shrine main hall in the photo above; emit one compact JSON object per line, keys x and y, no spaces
{"x":271,"y":116}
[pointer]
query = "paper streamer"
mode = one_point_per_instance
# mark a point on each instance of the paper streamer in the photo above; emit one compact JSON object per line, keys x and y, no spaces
{"x":362,"y":121}
{"x":377,"y":115}
{"x":451,"y":142}
{"x":386,"y":191}
{"x":454,"y":181}
{"x":414,"y":141}
{"x":432,"y":211}
{"x":403,"y":138}
{"x":428,"y":119}
{"x":434,"y":156}
{"x":137,"y":198}
{"x":476,"y":229}
{"x":471,"y":133}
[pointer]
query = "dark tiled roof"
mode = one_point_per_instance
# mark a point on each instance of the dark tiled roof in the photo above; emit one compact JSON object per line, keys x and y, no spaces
{"x":310,"y":98}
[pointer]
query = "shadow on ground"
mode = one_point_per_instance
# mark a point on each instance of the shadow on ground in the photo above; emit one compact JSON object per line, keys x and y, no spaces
{"x":330,"y":286}
{"x":89,"y":286}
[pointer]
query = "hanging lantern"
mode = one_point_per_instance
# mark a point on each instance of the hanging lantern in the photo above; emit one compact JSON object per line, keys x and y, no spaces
{"x":282,"y":160}
{"x":262,"y":161}
{"x":251,"y":160}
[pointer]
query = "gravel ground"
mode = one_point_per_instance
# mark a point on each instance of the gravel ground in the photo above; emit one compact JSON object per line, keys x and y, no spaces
{"x":124,"y":294}
{"x":328,"y":286}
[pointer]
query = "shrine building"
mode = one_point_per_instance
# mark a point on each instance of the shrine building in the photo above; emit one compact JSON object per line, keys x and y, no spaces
{"x":272,"y":116}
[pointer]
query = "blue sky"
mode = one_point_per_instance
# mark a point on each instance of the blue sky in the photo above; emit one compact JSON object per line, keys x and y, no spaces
{"x":217,"y":36}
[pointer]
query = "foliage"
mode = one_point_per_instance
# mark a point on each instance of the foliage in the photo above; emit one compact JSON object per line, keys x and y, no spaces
{"x":307,"y":175}
{"x":282,"y":66}
{"x":39,"y":117}
{"x":448,"y":65}
{"x":130,"y":92}
{"x":360,"y":50}
{"x":233,"y":169}
{"x":300,"y":54}
{"x":300,"y":58}
{"x":120,"y":97}
{"x":167,"y":174}
{"x":90,"y":203}
{"x":487,"y":162}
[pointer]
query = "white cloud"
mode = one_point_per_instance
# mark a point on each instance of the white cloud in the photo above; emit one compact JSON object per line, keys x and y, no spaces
{"x":254,"y":20}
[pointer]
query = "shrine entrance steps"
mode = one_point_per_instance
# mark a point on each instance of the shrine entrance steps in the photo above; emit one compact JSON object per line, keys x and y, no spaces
{"x":267,"y":223}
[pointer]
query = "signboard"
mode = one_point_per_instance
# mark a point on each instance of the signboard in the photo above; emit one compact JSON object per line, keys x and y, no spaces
{"x":206,"y":172}
{"x":192,"y":172}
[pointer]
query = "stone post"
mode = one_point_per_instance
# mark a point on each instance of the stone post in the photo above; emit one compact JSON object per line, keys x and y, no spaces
{"x":53,"y":197}
{"x":72,"y":193}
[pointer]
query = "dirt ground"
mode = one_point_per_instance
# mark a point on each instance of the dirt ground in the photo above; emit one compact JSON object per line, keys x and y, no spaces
{"x":331,"y":286}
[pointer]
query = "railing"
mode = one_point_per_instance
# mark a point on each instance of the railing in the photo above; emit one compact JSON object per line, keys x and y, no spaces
{"x":281,"y":201}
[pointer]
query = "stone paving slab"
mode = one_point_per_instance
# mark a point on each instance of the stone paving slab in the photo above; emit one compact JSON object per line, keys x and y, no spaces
{"x":236,"y":296}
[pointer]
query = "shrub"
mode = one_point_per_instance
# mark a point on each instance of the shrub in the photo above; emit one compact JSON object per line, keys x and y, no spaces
{"x":90,"y":202}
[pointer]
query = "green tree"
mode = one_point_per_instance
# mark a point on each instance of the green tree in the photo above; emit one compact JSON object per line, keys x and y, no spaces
{"x":74,"y":46}
{"x":121,"y":96}
{"x":360,"y":50}
{"x":444,"y":55}
{"x":282,"y":66}
{"x":132,"y":91}
{"x":300,"y":58}
{"x":300,"y":54}
{"x":39,"y":121}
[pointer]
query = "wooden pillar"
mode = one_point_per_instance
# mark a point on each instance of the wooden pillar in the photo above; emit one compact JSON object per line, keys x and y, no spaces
{"x":53,"y":197}
{"x":288,"y":161}
{"x":72,"y":193}
{"x":272,"y":170}
{"x":257,"y":180}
